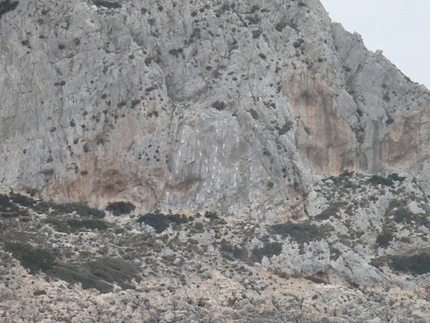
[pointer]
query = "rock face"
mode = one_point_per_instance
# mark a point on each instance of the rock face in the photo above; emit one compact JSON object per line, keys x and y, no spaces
{"x":205,"y":127}
{"x":231,"y":106}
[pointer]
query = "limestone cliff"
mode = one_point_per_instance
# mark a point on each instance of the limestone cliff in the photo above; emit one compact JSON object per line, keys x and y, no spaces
{"x":233,"y":106}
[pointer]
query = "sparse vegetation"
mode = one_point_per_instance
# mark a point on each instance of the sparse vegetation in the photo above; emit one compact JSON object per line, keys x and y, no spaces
{"x":332,"y":210}
{"x":229,"y":250}
{"x":418,"y":264}
{"x":33,"y":259}
{"x":120,"y":208}
{"x":161,"y":222}
{"x":6,"y":6}
{"x":379,"y":180}
{"x":219,"y":105}
{"x":269,"y":249}
{"x":256,"y":33}
{"x":254,"y":114}
{"x":285,"y":128}
{"x":384,"y":238}
{"x":300,"y":232}
{"x":281,"y":25}
{"x":107,"y":4}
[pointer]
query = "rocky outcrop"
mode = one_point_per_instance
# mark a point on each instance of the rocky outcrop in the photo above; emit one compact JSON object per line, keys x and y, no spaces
{"x":364,"y":257}
{"x":195,"y":106}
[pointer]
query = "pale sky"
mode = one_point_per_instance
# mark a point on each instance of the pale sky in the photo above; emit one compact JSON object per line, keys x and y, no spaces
{"x":401,"y":28}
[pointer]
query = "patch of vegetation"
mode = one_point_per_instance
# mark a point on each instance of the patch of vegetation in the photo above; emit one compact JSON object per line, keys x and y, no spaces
{"x":285,"y":128}
{"x":74,"y":276}
{"x":332,"y":210}
{"x":22,"y":200}
{"x":402,"y":215}
{"x":176,"y":52}
{"x":384,"y":238}
{"x":281,"y":25}
{"x":8,"y":209}
{"x":112,"y":270}
{"x":107,"y":4}
{"x":256,"y":33}
{"x":6,"y":6}
{"x":33,"y":259}
{"x":49,"y":207}
{"x":224,"y":8}
{"x":379,"y":180}
{"x":255,"y":19}
{"x":211,"y":215}
{"x":82,"y":209}
{"x":229,"y":250}
{"x":396,"y":177}
{"x":90,"y":224}
{"x":316,"y":280}
{"x":120,"y":208}
{"x":161,"y":222}
{"x":269,"y":250}
{"x":301,"y":232}
{"x":417,"y":264}
{"x":99,"y":274}
{"x":254,"y":114}
{"x":298,"y":43}
{"x":219,"y":105}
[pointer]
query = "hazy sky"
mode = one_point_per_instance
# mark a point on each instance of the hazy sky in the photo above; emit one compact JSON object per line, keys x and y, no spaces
{"x":401,"y":28}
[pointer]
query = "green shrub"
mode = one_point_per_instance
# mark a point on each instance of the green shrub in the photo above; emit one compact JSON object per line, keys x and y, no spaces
{"x":236,"y":252}
{"x":281,"y":25}
{"x":383,"y":239}
{"x":255,"y":19}
{"x":6,"y":6}
{"x":269,"y":249}
{"x":98,"y":274}
{"x":120,"y":208}
{"x":396,"y":177}
{"x":176,"y":52}
{"x":8,"y":209}
{"x":22,"y":200}
{"x":76,"y":225}
{"x":417,"y":264}
{"x":73,"y":276}
{"x":256,"y":33}
{"x":176,"y":218}
{"x":198,"y":227}
{"x":90,"y":224}
{"x":402,"y":215}
{"x":211,"y":215}
{"x":161,"y":222}
{"x":33,"y":259}
{"x":332,"y":210}
{"x":301,"y":232}
{"x":285,"y":128}
{"x":107,"y":4}
{"x":156,"y":220}
{"x":219,"y":105}
{"x":82,"y":209}
{"x":316,"y":280}
{"x":112,"y":270}
{"x":376,"y":180}
{"x":254,"y":114}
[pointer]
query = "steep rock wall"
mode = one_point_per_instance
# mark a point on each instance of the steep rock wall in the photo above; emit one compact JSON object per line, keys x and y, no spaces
{"x":230,"y":106}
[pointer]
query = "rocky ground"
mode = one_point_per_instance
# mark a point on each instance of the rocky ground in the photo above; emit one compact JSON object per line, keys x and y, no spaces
{"x":364,"y":257}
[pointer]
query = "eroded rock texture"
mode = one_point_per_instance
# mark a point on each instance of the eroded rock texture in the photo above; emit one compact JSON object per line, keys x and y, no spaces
{"x":233,"y":106}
